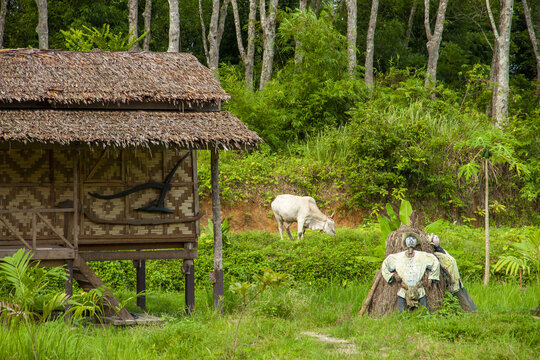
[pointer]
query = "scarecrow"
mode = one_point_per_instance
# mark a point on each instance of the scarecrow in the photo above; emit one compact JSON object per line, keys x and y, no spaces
{"x":408,"y":268}
{"x":454,"y":284}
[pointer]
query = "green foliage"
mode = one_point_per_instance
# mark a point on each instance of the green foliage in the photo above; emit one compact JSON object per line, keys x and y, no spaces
{"x":299,"y":102}
{"x":522,"y":256}
{"x":88,"y":304}
{"x":493,"y":145}
{"x":26,"y":287}
{"x":393,"y":222}
{"x":249,"y":292}
{"x":102,"y":39}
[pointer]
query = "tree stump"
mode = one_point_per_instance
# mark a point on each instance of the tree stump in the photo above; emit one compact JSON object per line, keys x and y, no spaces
{"x":383,"y":298}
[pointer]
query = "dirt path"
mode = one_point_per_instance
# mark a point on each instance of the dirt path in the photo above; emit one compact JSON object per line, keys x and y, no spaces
{"x":342,"y":346}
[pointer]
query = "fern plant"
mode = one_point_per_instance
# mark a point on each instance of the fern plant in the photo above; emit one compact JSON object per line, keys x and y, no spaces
{"x":524,"y":256}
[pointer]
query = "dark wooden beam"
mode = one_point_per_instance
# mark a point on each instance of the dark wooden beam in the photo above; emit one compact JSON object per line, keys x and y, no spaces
{"x":218,"y":245}
{"x":138,"y":255}
{"x":138,"y":246}
{"x":42,"y":254}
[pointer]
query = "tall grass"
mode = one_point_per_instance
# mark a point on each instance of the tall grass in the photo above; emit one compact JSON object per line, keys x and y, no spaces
{"x":274,"y":328}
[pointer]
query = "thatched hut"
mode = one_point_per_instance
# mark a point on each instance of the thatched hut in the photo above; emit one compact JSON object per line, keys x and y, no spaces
{"x":382,"y":298}
{"x":98,"y":157}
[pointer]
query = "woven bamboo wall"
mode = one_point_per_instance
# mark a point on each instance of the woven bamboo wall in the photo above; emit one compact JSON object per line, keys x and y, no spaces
{"x":36,"y":178}
{"x":115,"y":172}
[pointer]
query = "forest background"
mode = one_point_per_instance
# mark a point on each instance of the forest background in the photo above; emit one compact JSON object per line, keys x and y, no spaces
{"x":412,"y":111}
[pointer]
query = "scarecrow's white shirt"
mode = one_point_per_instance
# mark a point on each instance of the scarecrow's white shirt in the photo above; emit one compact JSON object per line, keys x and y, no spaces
{"x":411,"y":270}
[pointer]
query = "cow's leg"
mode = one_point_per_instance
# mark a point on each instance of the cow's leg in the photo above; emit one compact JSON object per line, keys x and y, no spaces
{"x":300,"y":229}
{"x":288,"y":228}
{"x":280,"y":226}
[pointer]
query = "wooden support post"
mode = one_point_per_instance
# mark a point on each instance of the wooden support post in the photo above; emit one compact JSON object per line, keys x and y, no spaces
{"x":189,"y":291}
{"x":140,"y":265}
{"x":189,"y":265}
{"x":188,"y":268}
{"x":69,"y":285}
{"x":218,"y":246}
{"x":76,"y":200}
{"x":34,"y":231}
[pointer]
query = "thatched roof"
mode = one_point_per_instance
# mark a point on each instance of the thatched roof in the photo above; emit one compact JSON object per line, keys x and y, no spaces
{"x":98,"y":77}
{"x":127,"y":128}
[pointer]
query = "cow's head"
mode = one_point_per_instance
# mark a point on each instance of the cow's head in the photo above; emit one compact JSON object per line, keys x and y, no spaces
{"x":329,"y":225}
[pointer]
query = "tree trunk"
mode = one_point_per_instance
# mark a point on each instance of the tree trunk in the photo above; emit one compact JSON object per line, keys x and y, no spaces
{"x":133,"y":6}
{"x":174,"y":27}
{"x":434,"y":41}
{"x":298,"y":57}
{"x":3,"y":12}
{"x":486,"y":223}
{"x":502,"y":39}
{"x":43,"y":28}
{"x":268,"y":24}
{"x":222,"y":17}
{"x":147,"y":16}
{"x":247,"y":57}
{"x":203,"y":30}
{"x":371,"y":43}
{"x":351,"y":35}
{"x":316,"y":6}
{"x":213,"y":52}
{"x":215,"y":32}
{"x":250,"y":56}
{"x":410,"y":22}
{"x":534,"y":40}
{"x":493,"y":78}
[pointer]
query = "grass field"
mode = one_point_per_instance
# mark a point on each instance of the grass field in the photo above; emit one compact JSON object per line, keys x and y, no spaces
{"x":299,"y":323}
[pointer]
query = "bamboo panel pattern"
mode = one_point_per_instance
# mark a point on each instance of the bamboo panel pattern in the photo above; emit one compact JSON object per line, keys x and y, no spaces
{"x":41,"y":179}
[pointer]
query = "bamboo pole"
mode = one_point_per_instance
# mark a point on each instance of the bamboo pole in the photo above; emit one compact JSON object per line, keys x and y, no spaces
{"x":369,"y":297}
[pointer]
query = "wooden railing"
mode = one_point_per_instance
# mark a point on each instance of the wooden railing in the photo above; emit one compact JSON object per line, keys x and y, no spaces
{"x":37,"y":214}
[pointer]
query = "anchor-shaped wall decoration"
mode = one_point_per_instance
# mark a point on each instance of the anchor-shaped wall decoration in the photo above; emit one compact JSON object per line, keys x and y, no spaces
{"x":156,"y":205}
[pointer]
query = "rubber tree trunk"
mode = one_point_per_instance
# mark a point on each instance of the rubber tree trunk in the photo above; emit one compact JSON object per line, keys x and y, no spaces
{"x":434,"y":41}
{"x":133,"y":6}
{"x":268,"y":24}
{"x":410,"y":23}
{"x":502,"y":62}
{"x":352,"y":11}
{"x":174,"y":27}
{"x":147,"y":16}
{"x":298,"y":56}
{"x":370,"y":43}
{"x":3,"y":13}
{"x":218,"y":244}
{"x":249,"y":55}
{"x":203,"y":33}
{"x":215,"y":33}
{"x":43,"y":28}
{"x":534,"y":39}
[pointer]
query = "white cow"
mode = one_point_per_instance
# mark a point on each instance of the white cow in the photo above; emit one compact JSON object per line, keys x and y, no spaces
{"x":302,"y":209}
